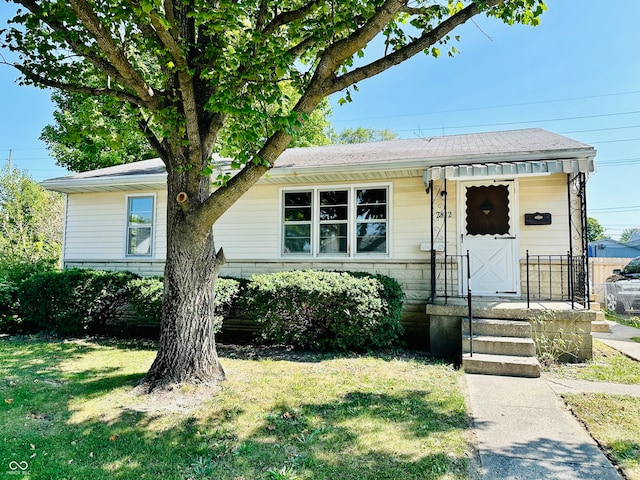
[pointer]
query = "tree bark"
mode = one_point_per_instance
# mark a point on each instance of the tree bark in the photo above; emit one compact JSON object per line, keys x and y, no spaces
{"x":187,"y":348}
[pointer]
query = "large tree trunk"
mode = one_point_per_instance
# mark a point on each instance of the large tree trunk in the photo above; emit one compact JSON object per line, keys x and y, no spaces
{"x":187,"y":349}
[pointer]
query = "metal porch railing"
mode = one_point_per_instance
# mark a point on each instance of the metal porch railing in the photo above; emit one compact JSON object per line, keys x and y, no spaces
{"x":557,"y":278}
{"x":454,"y":281}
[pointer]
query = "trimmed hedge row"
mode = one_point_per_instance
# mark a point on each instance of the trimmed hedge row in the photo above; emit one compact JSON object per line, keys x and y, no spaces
{"x":72,"y":302}
{"x":145,"y":298}
{"x":333,"y":311}
{"x":305,"y":309}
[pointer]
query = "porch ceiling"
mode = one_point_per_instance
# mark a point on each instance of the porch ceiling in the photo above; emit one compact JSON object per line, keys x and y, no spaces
{"x":523,"y":168}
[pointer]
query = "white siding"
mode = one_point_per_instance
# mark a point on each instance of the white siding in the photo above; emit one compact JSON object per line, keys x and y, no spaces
{"x":249,"y":229}
{"x":546,"y":194}
{"x":95,"y":226}
{"x":410,"y":219}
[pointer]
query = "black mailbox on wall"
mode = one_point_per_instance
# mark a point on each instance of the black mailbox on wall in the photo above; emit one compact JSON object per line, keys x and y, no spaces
{"x":537,"y":218}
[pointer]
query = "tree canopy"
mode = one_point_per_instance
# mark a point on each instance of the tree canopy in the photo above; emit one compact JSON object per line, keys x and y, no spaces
{"x":235,"y":77}
{"x":595,"y":231}
{"x":363,"y":135}
{"x":30,"y":220}
{"x":627,"y":233}
{"x":91,"y":132}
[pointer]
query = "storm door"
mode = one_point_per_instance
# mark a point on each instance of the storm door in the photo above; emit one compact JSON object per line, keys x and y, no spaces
{"x":488,"y":226}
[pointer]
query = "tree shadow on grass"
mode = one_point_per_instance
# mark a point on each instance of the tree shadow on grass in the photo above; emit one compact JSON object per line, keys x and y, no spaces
{"x":291,"y":354}
{"x":24,"y":354}
{"x":549,"y":458}
{"x":359,"y":435}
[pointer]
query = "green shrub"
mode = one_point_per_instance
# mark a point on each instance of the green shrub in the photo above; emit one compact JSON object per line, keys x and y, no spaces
{"x":12,"y":274}
{"x":145,"y":297}
{"x":72,"y":302}
{"x":9,"y":320}
{"x":326,"y":310}
{"x":228,"y":294}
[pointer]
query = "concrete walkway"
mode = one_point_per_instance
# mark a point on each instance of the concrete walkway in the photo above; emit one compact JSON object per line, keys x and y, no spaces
{"x":525,"y":432}
{"x":620,"y":339}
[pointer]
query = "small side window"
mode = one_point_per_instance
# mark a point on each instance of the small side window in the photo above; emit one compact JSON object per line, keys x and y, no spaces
{"x":297,"y":223}
{"x":140,"y":226}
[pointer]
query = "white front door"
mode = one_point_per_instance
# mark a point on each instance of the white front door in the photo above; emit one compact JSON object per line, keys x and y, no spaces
{"x":489,"y":232}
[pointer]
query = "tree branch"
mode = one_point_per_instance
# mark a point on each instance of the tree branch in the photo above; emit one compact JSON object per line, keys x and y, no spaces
{"x":78,"y":47}
{"x":130,"y":77}
{"x":285,"y":18}
{"x":185,"y":79}
{"x":409,"y":50}
{"x":343,"y":49}
{"x":221,"y":199}
{"x":156,"y":144}
{"x":68,"y":87}
{"x":212,"y":128}
{"x":297,"y":50}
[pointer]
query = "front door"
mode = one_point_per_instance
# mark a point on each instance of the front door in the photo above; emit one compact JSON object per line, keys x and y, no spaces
{"x":488,"y":226}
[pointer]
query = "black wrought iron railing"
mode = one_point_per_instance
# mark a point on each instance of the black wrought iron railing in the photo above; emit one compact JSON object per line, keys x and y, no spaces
{"x":452,"y":277}
{"x":557,"y":278}
{"x":453,"y":280}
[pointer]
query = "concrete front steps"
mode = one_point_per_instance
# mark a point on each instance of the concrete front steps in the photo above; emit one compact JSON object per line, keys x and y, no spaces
{"x":500,"y":347}
{"x":600,"y":323}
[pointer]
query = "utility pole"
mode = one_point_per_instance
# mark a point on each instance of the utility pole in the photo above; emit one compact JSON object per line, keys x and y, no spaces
{"x":10,"y":154}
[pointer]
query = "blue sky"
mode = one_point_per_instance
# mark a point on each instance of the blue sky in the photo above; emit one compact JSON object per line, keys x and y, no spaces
{"x":577,"y":74}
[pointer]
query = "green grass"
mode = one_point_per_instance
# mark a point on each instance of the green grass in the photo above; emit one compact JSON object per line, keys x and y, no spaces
{"x":636,"y":339}
{"x":614,"y":421}
{"x":67,"y":409}
{"x":628,"y":320}
{"x":607,"y":365}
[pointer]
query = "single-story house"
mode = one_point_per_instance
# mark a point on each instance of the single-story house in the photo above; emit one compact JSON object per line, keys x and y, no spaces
{"x":411,"y":209}
{"x":607,"y":247}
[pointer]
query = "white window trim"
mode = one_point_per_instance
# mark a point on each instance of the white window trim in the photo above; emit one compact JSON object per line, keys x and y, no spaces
{"x":315,"y":254}
{"x":153,"y":226}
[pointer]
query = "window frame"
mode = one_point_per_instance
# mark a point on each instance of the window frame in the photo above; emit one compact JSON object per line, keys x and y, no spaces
{"x":352,"y":221}
{"x":128,"y":225}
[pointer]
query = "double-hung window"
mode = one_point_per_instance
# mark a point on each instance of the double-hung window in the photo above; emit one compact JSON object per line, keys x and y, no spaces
{"x":338,"y":222}
{"x":140,"y":216}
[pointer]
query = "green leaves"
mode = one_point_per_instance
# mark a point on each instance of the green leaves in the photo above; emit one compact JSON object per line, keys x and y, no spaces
{"x":94,"y":132}
{"x":30,"y":220}
{"x":238,"y":66}
{"x":526,"y":12}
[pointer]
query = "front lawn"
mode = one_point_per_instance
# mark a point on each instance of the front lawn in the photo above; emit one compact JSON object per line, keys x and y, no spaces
{"x":614,"y":421}
{"x":67,"y":411}
{"x":607,"y":365}
{"x":625,"y":319}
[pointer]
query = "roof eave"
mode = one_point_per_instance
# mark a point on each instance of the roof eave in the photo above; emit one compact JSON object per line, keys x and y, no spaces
{"x":102,"y":184}
{"x":581,"y":153}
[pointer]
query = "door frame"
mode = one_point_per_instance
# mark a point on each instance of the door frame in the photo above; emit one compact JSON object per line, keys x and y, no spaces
{"x":514,"y":227}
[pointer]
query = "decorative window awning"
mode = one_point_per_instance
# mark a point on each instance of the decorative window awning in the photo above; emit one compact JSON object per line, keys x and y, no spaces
{"x":490,"y":170}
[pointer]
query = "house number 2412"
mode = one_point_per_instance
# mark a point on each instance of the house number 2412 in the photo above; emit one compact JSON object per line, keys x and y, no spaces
{"x":441,"y":214}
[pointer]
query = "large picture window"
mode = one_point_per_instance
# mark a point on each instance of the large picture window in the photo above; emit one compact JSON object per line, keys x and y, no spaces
{"x":140,"y":214}
{"x":343,"y":222}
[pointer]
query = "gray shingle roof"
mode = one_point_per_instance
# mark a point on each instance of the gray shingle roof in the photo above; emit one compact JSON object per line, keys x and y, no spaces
{"x":504,"y":146}
{"x":435,"y":150}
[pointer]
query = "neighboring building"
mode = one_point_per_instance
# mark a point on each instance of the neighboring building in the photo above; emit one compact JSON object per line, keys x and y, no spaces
{"x":404,"y":208}
{"x":610,"y":248}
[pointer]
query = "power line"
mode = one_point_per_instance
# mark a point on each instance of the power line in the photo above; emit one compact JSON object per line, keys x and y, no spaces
{"x":599,"y":129}
{"x":615,"y":209}
{"x":521,"y":122}
{"x":614,"y":141}
{"x":488,"y":107}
